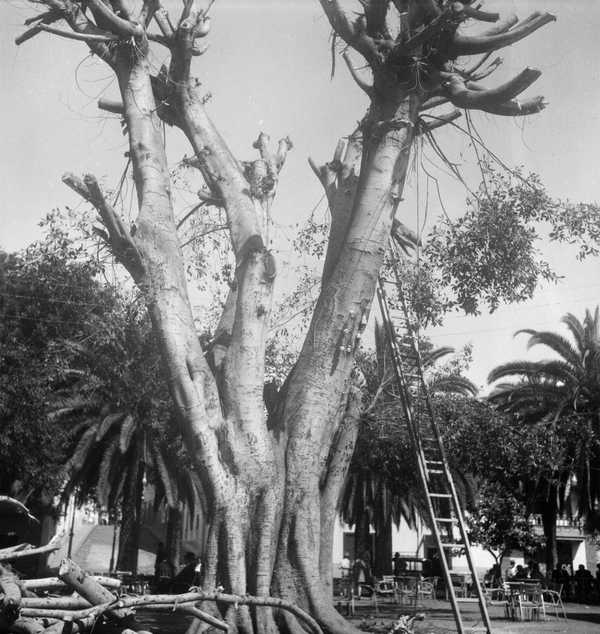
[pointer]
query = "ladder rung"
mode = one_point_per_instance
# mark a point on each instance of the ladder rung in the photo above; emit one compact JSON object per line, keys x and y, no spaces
{"x":445,"y":519}
{"x":440,"y":495}
{"x":433,"y":461}
{"x":435,"y":471}
{"x":452,"y":545}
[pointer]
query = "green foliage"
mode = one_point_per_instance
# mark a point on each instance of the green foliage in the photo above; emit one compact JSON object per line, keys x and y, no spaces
{"x":562,"y":396}
{"x":488,"y":255}
{"x":499,"y":521}
{"x":48,"y":292}
{"x":383,"y":480}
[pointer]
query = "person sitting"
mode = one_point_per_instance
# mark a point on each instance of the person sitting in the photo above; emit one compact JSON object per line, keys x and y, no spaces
{"x":188,"y":575}
{"x":521,"y":573}
{"x":534,"y":571}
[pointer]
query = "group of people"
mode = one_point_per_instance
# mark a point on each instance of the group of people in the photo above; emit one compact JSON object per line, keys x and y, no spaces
{"x":357,"y":576}
{"x":580,"y":585}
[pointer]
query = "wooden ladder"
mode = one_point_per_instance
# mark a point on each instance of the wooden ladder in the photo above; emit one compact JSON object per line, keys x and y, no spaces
{"x":445,"y":516}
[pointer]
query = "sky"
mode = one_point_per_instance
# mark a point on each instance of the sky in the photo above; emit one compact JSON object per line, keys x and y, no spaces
{"x":268,"y":68}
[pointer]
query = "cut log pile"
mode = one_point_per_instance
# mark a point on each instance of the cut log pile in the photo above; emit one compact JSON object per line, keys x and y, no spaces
{"x":76,"y":601}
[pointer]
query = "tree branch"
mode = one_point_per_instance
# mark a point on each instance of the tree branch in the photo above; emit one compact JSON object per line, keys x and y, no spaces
{"x":517,"y":108}
{"x":474,"y":45}
{"x":110,"y":105}
{"x":51,"y":546}
{"x":120,"y":240}
{"x":122,"y":27}
{"x":471,"y":95}
{"x":54,"y":582}
{"x":73,"y":14}
{"x":433,"y":102}
{"x":341,"y":199}
{"x":502,"y":25}
{"x":477,"y":14}
{"x":161,"y":17}
{"x":442,"y":120}
{"x":361,"y":83}
{"x":355,"y":35}
{"x":176,"y":601}
{"x":43,"y":18}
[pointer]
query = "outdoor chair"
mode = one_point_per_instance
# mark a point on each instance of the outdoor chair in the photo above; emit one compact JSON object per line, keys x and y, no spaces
{"x":552,"y":595}
{"x":386,"y":588}
{"x":426,"y":590}
{"x":526,"y":602}
{"x":460,"y":586}
{"x":356,"y":601}
{"x":407,"y":589}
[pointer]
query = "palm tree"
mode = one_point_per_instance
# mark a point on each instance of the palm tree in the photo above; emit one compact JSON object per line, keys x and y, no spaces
{"x":562,"y":394}
{"x":115,"y":402}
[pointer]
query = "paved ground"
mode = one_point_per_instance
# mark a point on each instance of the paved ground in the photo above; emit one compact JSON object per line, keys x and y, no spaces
{"x":93,"y":553}
{"x":581,"y":619}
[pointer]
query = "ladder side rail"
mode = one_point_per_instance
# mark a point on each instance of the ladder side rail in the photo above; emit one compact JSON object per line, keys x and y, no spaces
{"x":401,"y":382}
{"x":459,"y":515}
{"x":420,"y":455}
{"x":443,"y":458}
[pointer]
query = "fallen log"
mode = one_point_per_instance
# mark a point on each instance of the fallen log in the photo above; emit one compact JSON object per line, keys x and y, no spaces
{"x":189,"y":608}
{"x":187,"y":600}
{"x":52,"y":545}
{"x":54,"y":582}
{"x":57,"y":603}
{"x":71,"y":626}
{"x":10,"y":596}
{"x":25,"y":625}
{"x":86,"y":586}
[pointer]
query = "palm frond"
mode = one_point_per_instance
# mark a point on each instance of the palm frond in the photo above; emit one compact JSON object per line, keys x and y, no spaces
{"x":104,"y":473}
{"x":433,"y":356}
{"x":82,"y":450}
{"x":453,"y":384}
{"x":167,"y":481}
{"x":107,"y":423}
{"x":128,"y":429}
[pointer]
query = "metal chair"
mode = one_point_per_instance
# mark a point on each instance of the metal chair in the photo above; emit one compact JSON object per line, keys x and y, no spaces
{"x":553,"y":595}
{"x":527,"y":601}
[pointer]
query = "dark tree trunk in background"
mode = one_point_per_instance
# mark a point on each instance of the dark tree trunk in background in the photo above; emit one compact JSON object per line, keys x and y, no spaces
{"x":173,"y":536}
{"x":549,"y":517}
{"x":382,"y":562}
{"x":131,"y":509}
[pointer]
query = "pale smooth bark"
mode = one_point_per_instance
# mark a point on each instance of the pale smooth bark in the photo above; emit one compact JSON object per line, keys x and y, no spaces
{"x":273,"y":481}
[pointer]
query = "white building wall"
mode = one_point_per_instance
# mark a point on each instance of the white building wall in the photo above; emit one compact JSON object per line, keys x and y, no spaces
{"x":413,"y":542}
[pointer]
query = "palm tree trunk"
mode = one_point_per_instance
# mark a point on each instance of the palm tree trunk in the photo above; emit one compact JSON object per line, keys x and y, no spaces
{"x":549,"y":517}
{"x":173,"y":538}
{"x":382,"y":562}
{"x":131,"y":508}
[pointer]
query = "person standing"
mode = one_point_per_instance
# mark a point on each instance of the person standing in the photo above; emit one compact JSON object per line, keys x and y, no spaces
{"x":345,"y":571}
{"x":511,"y":571}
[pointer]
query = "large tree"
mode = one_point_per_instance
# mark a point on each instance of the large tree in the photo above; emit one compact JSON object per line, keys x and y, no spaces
{"x":273,"y":474}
